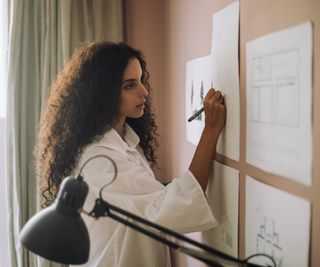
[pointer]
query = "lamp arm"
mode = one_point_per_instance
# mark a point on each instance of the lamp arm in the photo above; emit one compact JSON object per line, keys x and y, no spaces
{"x":105,"y":209}
{"x":163,"y":240}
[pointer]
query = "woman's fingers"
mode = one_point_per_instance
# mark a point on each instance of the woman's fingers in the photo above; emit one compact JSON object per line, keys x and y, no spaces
{"x":221,"y":99}
{"x":213,"y":96}
{"x":212,"y":93}
{"x":217,"y":96}
{"x":215,"y":109}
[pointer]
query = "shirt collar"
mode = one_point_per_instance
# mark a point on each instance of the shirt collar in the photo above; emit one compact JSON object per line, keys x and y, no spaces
{"x":112,"y":139}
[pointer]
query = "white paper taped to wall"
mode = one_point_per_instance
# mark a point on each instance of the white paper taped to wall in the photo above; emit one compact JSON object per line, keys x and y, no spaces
{"x":225,"y":74}
{"x":219,"y":70}
{"x":198,"y":82}
{"x":223,"y":194}
{"x":277,"y":224}
{"x":279,"y":92}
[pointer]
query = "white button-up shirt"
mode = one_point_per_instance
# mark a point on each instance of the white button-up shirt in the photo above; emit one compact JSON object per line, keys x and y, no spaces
{"x":180,"y":206}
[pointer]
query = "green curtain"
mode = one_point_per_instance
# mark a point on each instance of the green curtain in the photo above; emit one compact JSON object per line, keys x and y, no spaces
{"x":42,"y":36}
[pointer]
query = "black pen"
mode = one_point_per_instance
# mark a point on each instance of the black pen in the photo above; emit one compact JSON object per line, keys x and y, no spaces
{"x":196,"y":114}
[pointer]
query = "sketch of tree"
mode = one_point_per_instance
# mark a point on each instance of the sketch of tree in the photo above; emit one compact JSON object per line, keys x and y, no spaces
{"x":201,"y":93}
{"x":192,"y":92}
{"x":201,"y":99}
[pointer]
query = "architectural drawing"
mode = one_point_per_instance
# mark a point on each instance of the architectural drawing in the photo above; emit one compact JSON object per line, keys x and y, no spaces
{"x":275,"y":81}
{"x":277,"y":224}
{"x":268,"y":241}
{"x":279,"y":103}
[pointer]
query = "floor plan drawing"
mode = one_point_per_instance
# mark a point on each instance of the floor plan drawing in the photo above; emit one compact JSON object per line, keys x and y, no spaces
{"x":279,"y":103}
{"x":275,"y":78}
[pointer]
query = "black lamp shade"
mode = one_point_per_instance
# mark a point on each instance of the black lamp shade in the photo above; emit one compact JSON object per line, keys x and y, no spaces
{"x":58,"y":233}
{"x":57,"y":237}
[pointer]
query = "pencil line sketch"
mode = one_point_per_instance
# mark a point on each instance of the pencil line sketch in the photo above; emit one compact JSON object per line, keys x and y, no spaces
{"x":275,"y":89}
{"x":268,"y":241}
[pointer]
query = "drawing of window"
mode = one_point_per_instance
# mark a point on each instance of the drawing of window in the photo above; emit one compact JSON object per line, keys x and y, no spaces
{"x":275,"y":89}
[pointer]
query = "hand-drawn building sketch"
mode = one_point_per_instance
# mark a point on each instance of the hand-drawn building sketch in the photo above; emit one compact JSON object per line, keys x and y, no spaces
{"x":268,"y":241}
{"x":272,"y":230}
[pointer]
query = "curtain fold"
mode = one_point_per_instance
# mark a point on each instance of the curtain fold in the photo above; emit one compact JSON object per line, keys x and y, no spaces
{"x":42,"y":37}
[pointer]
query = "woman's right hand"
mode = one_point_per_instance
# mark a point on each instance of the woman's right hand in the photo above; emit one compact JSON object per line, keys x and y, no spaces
{"x":215,"y":111}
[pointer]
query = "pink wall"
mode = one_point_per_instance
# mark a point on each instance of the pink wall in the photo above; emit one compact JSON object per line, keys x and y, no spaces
{"x":145,"y":31}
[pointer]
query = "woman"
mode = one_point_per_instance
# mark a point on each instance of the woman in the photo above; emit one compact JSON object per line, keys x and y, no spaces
{"x":100,"y":105}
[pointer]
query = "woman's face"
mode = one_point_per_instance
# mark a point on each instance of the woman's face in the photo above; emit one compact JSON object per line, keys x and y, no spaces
{"x":133,"y":92}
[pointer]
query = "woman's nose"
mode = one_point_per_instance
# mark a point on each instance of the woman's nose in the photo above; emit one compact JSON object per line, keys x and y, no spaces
{"x":144,"y":90}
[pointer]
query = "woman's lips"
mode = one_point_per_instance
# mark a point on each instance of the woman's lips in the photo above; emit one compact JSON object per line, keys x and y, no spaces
{"x":141,"y":106}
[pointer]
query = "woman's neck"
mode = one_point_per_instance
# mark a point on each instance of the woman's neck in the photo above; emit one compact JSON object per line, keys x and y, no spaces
{"x":119,"y":127}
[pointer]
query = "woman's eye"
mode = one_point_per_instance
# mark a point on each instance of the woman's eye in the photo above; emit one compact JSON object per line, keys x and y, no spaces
{"x":129,"y":85}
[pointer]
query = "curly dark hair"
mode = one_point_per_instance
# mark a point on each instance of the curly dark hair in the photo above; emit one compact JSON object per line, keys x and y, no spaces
{"x":83,"y":105}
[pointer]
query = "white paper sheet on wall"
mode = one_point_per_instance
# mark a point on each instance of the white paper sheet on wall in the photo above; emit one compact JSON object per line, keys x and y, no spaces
{"x":219,"y":70}
{"x":278,"y":224}
{"x":279,"y":91}
{"x":222,"y":194}
{"x":225,"y":74}
{"x":198,"y":82}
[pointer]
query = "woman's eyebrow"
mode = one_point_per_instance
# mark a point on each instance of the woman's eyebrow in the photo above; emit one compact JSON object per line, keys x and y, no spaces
{"x":129,"y":80}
